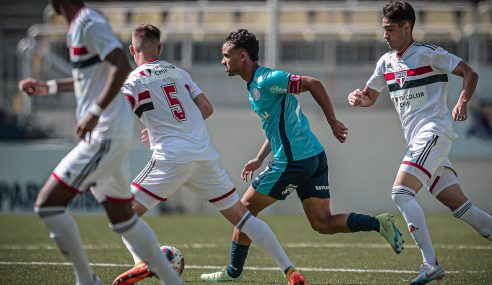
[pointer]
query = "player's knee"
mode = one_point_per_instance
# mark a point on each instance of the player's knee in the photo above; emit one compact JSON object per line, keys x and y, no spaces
{"x":39,"y":203}
{"x":399,"y":194}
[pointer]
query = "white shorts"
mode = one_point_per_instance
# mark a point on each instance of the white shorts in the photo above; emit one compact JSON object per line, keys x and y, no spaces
{"x":443,"y":177}
{"x":427,"y":159}
{"x":161,"y":178}
{"x":101,"y":166}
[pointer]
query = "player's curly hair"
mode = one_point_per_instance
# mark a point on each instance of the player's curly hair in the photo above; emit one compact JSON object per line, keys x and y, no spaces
{"x":399,"y":12}
{"x":242,"y":38}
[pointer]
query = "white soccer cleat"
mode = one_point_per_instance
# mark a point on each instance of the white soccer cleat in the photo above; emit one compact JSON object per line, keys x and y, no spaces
{"x":428,"y":273}
{"x":219,"y":276}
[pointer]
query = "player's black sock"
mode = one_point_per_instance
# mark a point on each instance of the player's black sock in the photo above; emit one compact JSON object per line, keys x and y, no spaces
{"x":362,"y":223}
{"x":238,"y":257}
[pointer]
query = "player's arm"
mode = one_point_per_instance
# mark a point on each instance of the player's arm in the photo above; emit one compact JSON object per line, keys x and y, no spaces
{"x":204,"y":105}
{"x":34,"y":87}
{"x":120,"y":68}
{"x":318,"y":91}
{"x":256,"y":162}
{"x":470,"y":80}
{"x":363,"y":98}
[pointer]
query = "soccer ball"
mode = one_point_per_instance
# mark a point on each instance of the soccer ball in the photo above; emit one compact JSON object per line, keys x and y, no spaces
{"x":175,"y":257}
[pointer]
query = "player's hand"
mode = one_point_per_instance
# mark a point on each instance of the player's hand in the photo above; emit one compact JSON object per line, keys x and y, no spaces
{"x":339,"y":130}
{"x":250,"y":168}
{"x":460,"y":111}
{"x":33,"y":87}
{"x":356,"y":98}
{"x":86,"y":126}
{"x":145,"y":137}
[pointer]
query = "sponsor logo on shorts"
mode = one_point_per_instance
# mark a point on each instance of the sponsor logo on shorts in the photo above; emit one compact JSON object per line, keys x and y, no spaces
{"x":289,"y":189}
{"x":322,"y":188}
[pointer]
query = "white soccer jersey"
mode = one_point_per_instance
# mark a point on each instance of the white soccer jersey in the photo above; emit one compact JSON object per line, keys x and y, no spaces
{"x":161,"y":95}
{"x":89,"y":40}
{"x":418,"y":86}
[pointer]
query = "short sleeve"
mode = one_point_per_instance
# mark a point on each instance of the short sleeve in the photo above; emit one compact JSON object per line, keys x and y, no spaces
{"x":281,"y":82}
{"x":130,"y":92}
{"x":191,"y":85}
{"x":444,"y":61}
{"x":100,"y":39}
{"x":377,"y":81}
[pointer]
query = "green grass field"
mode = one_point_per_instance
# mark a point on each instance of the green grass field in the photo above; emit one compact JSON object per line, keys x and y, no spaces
{"x":28,"y":256}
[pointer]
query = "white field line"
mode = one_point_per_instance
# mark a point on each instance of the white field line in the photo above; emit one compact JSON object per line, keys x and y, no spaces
{"x":287,"y":245}
{"x":307,"y":269}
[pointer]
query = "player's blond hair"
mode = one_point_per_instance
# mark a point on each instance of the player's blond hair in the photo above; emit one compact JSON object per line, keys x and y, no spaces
{"x":146,"y":36}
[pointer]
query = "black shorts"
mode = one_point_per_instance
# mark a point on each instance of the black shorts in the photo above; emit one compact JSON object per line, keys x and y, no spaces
{"x":308,"y":177}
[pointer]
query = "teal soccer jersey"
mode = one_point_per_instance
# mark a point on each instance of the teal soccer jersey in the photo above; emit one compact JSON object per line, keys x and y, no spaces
{"x":271,"y":95}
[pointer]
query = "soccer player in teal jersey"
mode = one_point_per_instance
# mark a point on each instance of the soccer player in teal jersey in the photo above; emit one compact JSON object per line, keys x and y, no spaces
{"x":299,"y":163}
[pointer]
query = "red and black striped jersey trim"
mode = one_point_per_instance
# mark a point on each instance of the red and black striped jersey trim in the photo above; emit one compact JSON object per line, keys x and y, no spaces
{"x":418,"y":82}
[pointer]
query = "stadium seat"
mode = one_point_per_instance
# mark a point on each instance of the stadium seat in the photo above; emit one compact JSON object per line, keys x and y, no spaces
{"x":181,"y":17}
{"x":116,"y":17}
{"x":366,"y":18}
{"x":440,"y":19}
{"x":253,"y":19}
{"x":485,"y":14}
{"x":290,"y":18}
{"x":466,"y":18}
{"x":335,"y":17}
{"x":153,"y":17}
{"x":219,"y":18}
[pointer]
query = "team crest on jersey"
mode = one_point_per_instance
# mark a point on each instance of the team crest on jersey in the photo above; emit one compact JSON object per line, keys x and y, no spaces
{"x":256,"y":94}
{"x":400,"y":77}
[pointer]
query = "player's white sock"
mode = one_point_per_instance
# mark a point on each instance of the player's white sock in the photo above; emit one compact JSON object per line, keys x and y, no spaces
{"x":478,"y":219}
{"x":65,"y":233}
{"x":136,"y":259}
{"x":404,"y":198}
{"x":144,"y":243}
{"x":261,"y":234}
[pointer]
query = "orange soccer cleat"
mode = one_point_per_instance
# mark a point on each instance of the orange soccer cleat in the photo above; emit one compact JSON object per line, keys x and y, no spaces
{"x":137,"y":273}
{"x":295,"y":277}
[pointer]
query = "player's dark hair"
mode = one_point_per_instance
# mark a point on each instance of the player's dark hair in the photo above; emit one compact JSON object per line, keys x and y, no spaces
{"x":148,"y":35}
{"x":245,"y":40}
{"x":399,"y":12}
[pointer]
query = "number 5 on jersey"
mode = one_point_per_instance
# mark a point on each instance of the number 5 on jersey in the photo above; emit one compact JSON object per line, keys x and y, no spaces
{"x":174,"y":103}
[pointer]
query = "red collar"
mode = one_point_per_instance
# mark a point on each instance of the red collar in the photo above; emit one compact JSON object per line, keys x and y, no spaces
{"x":399,"y":55}
{"x":151,"y":60}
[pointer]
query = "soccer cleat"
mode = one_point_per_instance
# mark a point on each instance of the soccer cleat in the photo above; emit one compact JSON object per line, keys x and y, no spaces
{"x":428,"y":273}
{"x":139,"y":272}
{"x":390,"y":232}
{"x":219,"y":276}
{"x":294,"y":277}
